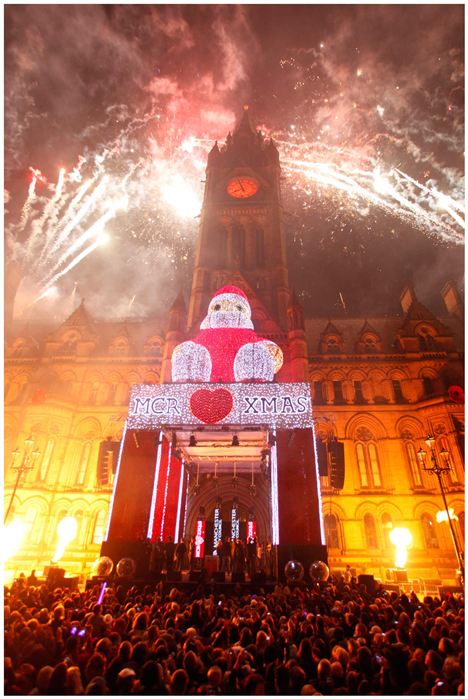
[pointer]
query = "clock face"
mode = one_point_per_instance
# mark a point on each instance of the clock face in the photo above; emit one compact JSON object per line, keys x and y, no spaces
{"x":242,"y":187}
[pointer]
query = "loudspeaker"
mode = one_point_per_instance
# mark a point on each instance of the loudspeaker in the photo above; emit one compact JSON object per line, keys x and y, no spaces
{"x":219,"y":576}
{"x":55,"y":576}
{"x":401,"y":576}
{"x":238,"y":577}
{"x":368,"y":581}
{"x":337,"y":470}
{"x":322,"y":457}
{"x":174,"y":576}
{"x":195,"y":575}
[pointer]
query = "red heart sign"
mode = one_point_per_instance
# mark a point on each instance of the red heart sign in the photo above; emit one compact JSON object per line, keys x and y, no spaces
{"x":211,"y":406}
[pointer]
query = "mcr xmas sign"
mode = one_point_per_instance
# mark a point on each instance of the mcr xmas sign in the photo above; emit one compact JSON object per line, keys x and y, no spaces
{"x":276,"y":405}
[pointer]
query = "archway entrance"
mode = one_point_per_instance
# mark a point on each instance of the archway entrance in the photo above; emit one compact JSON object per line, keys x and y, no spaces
{"x":227,"y":470}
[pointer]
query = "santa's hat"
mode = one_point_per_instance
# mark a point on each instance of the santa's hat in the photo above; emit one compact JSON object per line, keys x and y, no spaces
{"x":233,"y":294}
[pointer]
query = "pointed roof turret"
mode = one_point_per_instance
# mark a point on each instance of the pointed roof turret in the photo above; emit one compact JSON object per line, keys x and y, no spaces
{"x":214,"y":152}
{"x":367,"y":327}
{"x":295,"y":313}
{"x":177,"y":314}
{"x":331,"y":329}
{"x":79,"y":317}
{"x":179,"y":302}
{"x":244,"y":126}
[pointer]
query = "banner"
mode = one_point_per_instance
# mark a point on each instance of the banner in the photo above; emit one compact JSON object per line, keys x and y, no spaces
{"x":217,"y":529}
{"x":251,"y":530}
{"x":274,"y":405}
{"x":199,"y":543}
{"x":234,"y":524}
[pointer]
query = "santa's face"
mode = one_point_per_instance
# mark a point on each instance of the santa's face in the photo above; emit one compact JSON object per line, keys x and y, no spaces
{"x":227,"y":313}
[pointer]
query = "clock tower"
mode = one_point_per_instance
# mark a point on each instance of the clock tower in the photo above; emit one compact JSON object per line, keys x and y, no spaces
{"x":241,"y":239}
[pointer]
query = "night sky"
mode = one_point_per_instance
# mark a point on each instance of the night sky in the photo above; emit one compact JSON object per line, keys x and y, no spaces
{"x":110,"y":112}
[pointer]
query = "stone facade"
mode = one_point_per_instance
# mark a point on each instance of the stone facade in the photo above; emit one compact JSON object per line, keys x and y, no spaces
{"x":379,"y":386}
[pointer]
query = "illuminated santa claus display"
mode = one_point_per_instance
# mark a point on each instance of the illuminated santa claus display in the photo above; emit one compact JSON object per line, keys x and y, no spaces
{"x":227,"y":348}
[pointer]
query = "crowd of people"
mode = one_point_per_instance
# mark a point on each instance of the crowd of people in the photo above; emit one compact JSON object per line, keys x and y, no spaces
{"x":234,"y":556}
{"x":332,"y":638}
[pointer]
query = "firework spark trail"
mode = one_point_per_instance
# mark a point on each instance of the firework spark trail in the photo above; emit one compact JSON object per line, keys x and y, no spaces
{"x":365,"y":183}
{"x":84,"y":253}
{"x":50,"y":215}
{"x":442,"y":200}
{"x":95,"y":229}
{"x":26,"y":210}
{"x":163,"y":178}
{"x":78,"y":216}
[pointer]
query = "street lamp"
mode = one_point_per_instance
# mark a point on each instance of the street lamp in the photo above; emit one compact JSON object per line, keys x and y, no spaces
{"x":29,"y":459}
{"x":439,"y":463}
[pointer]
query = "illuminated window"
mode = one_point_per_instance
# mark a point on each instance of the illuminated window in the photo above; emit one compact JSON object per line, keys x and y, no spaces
{"x":429,"y":532}
{"x":368,"y":465}
{"x":387,"y":526}
{"x":362,"y":465}
{"x":370,"y":531}
{"x":99,"y":527}
{"x":83,"y":464}
{"x":332,"y":533}
{"x":374,"y":465}
{"x":413,"y":463}
{"x":33,"y":530}
{"x":46,"y":459}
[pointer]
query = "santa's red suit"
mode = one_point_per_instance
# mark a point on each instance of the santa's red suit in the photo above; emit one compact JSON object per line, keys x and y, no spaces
{"x":227,"y":348}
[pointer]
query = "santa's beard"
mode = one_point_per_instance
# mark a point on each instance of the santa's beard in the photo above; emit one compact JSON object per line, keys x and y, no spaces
{"x":226,"y":319}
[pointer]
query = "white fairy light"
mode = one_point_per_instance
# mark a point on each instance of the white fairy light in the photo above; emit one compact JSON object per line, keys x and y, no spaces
{"x":116,"y":480}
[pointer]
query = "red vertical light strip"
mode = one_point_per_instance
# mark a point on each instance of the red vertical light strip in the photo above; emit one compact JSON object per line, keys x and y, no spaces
{"x":166,"y":488}
{"x":172,"y":498}
{"x":159,"y":503}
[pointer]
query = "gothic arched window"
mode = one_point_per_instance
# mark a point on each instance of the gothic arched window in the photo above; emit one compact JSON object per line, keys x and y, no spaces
{"x":99,"y":527}
{"x":430,"y":537}
{"x":370,"y":531}
{"x":387,"y":526}
{"x":361,"y":459}
{"x":368,"y":460}
{"x":413,"y":463}
{"x":83,"y":464}
{"x":46,"y":459}
{"x":426,"y":340}
{"x":30,"y":520}
{"x":332,"y":533}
